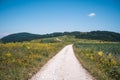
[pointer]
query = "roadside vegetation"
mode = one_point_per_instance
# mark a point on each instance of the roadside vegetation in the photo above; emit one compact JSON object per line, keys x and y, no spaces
{"x":101,"y":59}
{"x":21,"y":60}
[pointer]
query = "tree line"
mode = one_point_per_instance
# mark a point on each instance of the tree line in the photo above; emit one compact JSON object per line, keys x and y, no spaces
{"x":94,"y":35}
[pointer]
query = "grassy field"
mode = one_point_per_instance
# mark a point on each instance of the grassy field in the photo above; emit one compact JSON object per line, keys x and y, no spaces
{"x":101,"y":59}
{"x":19,"y":61}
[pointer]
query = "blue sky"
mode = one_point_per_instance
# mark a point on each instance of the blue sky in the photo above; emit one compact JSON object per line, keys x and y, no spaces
{"x":47,"y":16}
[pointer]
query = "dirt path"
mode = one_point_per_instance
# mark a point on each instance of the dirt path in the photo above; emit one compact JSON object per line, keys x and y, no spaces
{"x":63,"y":66}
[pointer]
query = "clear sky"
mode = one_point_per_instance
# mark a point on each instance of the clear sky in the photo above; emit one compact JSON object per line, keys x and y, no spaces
{"x":47,"y":16}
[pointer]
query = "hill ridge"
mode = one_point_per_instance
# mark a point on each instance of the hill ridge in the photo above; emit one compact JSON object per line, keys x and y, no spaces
{"x":94,"y":35}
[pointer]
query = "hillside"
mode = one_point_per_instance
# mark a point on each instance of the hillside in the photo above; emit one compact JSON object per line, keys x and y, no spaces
{"x":100,"y":35}
{"x":94,"y":35}
{"x":18,"y":37}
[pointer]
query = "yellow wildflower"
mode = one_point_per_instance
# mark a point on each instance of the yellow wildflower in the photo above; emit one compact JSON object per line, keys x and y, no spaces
{"x":32,"y":56}
{"x":100,"y":53}
{"x":91,"y":57}
{"x":113,"y":62}
{"x":19,"y":61}
{"x":8,"y":54}
{"x":28,"y":47}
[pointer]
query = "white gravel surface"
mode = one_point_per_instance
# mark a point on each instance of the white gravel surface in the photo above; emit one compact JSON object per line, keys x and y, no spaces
{"x":63,"y":66}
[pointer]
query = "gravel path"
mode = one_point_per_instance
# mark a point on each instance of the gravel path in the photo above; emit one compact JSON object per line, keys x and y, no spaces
{"x":63,"y":66}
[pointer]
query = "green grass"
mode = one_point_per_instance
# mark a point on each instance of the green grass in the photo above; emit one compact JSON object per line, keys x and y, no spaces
{"x":102,"y":60}
{"x":19,"y":61}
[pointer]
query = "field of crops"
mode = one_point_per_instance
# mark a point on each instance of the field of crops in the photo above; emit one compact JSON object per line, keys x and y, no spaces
{"x":19,"y":61}
{"x":102,"y":60}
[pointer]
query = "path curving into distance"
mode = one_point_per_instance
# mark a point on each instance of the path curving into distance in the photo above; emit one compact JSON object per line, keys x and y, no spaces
{"x":63,"y":66}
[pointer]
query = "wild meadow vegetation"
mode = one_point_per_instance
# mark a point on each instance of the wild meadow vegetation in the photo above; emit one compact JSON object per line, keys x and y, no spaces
{"x":20,"y":60}
{"x":101,"y":59}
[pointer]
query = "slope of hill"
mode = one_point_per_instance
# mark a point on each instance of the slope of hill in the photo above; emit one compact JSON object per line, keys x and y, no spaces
{"x":94,"y":35}
{"x":100,"y":35}
{"x":18,"y":37}
{"x":24,"y":36}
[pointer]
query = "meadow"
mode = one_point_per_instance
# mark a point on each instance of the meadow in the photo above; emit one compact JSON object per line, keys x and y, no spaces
{"x":21,"y":60}
{"x":101,"y":59}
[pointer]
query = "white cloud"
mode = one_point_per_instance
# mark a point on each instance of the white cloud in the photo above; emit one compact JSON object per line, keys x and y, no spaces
{"x":91,"y":14}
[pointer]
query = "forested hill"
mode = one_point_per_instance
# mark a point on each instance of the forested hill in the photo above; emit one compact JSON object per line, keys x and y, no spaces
{"x":100,"y":35}
{"x":18,"y":37}
{"x":94,"y":35}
